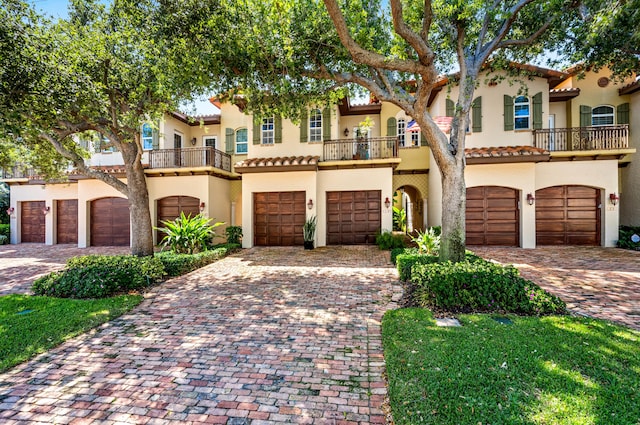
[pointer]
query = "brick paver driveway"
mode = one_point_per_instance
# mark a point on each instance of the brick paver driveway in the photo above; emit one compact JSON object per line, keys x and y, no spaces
{"x":594,"y":281}
{"x":271,"y":335}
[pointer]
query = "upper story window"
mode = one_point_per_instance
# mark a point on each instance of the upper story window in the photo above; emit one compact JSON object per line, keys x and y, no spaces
{"x":267,"y":132}
{"x":602,"y":115}
{"x":106,"y":146}
{"x":315,"y":125}
{"x":522,"y":114}
{"x":210,"y":141}
{"x":147,"y":137}
{"x":241,"y":141}
{"x":402,"y":125}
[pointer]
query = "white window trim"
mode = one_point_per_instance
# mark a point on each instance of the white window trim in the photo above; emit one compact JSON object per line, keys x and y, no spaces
{"x":206,"y":138}
{"x":317,"y":130}
{"x":402,"y":136}
{"x":268,"y":137}
{"x":178,"y":133}
{"x":612,"y":115}
{"x":528,"y":116}
{"x":235,"y":141}
{"x":142,"y":138}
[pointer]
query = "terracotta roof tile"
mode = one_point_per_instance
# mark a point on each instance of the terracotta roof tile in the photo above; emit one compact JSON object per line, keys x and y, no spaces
{"x":279,"y":162}
{"x":505,"y":154}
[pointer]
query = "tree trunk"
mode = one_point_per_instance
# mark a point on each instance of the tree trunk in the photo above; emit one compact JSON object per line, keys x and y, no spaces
{"x":452,"y":243}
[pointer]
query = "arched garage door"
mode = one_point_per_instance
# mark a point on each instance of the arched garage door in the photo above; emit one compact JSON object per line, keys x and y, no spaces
{"x":169,"y":209}
{"x":32,"y":222}
{"x":110,"y":222}
{"x":568,"y":215}
{"x":492,"y":216}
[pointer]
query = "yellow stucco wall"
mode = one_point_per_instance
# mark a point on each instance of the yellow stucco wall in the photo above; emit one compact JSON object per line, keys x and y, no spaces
{"x":630,"y":175}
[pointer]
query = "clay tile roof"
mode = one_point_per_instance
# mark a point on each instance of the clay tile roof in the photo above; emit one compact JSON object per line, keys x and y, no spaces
{"x":630,"y":88}
{"x":285,"y":163}
{"x":505,"y":154}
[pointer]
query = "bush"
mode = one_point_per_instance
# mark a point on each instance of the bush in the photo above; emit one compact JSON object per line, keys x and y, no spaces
{"x":5,"y":229}
{"x":387,"y":240}
{"x":99,"y":276}
{"x":407,"y":258}
{"x":179,"y":264}
{"x":233,"y":234}
{"x":480,"y":286}
{"x":3,"y":240}
{"x":395,"y":252}
{"x":624,"y":237}
{"x":428,"y":242}
{"x":187,"y":234}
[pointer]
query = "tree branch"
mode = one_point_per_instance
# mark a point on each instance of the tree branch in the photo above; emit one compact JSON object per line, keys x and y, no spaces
{"x":485,"y":27}
{"x":426,"y":21}
{"x":402,"y":29}
{"x":528,"y":40}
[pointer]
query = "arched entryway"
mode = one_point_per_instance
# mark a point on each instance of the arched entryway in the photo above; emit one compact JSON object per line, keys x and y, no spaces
{"x":409,"y":199}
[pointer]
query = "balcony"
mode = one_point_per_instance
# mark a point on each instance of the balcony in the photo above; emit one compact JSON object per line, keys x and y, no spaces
{"x":612,"y":137}
{"x":17,"y":172}
{"x":360,"y":149}
{"x":189,"y":158}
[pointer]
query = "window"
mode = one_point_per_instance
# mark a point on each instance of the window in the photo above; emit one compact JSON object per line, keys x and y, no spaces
{"x":210,"y":141}
{"x":521,"y":113}
{"x":267,"y":131}
{"x":241,"y":141}
{"x":415,"y":138}
{"x":602,"y":115}
{"x":315,"y":126}
{"x":402,"y":125}
{"x":106,"y":146}
{"x":147,"y":137}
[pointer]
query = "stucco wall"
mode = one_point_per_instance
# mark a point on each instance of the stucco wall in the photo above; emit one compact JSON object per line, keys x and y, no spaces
{"x":592,"y":95}
{"x":630,"y":175}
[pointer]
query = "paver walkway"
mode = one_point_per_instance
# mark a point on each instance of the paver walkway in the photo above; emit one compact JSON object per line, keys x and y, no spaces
{"x":270,"y":335}
{"x":594,"y":281}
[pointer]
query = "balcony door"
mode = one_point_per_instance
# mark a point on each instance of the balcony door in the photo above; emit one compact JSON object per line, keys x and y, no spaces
{"x":177,"y":144}
{"x":552,"y":134}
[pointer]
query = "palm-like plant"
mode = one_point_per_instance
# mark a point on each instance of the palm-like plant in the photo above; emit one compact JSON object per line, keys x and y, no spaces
{"x":428,"y":242}
{"x":186,"y":234}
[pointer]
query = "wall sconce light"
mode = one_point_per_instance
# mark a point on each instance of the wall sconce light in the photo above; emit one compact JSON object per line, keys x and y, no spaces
{"x":613,"y":198}
{"x":530,"y":199}
{"x":10,"y":210}
{"x":310,"y":204}
{"x":201,"y":206}
{"x":193,"y":141}
{"x":346,"y":132}
{"x":387,"y":202}
{"x":45,"y":210}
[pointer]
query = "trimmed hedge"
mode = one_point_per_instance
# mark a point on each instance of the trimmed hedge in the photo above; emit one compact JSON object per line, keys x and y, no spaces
{"x":388,"y":241}
{"x":99,"y":276}
{"x":624,"y":237}
{"x":397,"y":251}
{"x":179,"y":264}
{"x":480,"y":286}
{"x":406,"y":259}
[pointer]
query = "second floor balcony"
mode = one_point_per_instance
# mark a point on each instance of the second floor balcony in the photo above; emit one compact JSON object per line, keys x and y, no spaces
{"x":612,"y":137}
{"x":189,"y":158}
{"x":360,"y":149}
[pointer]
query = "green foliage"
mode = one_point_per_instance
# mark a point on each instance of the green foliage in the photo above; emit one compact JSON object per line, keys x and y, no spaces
{"x":480,"y":286}
{"x":179,"y":264}
{"x":46,"y":322}
{"x":4,"y":200}
{"x":399,"y":219}
{"x":557,"y":370}
{"x":5,"y":230}
{"x":186,"y":234}
{"x":233,"y":234}
{"x":4,"y":240}
{"x":395,"y":252}
{"x":309,"y":229}
{"x":99,"y":276}
{"x":407,"y":258}
{"x":428,"y":242}
{"x":624,"y":237}
{"x":387,"y":240}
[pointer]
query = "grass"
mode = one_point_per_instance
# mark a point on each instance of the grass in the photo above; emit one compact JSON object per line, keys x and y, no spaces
{"x":549,"y":370}
{"x":50,"y":322}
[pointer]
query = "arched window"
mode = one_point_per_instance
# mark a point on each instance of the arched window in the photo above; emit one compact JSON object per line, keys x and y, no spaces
{"x":241,"y":141}
{"x":402,"y":125}
{"x":602,"y":115}
{"x":315,"y":125}
{"x":522,"y":113}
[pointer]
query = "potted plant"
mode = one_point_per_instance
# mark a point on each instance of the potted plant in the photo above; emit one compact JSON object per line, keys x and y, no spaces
{"x":309,"y":232}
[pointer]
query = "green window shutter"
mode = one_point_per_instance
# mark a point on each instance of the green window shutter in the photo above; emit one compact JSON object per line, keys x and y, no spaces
{"x":423,"y":140}
{"x":391,"y":127}
{"x":304,"y":127}
{"x":537,"y":111}
{"x":451,"y":107}
{"x":622,"y":112}
{"x":256,"y":130}
{"x":326,"y":123}
{"x":155,"y":139}
{"x":277,"y":129}
{"x":585,"y":116}
{"x":228,"y":140}
{"x":476,"y":115}
{"x":508,"y":113}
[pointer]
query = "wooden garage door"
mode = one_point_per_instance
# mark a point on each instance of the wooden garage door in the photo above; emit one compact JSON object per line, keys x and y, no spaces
{"x":32,"y":222}
{"x":492,"y":216}
{"x":67,"y":221}
{"x":278,"y":218}
{"x":169,"y":209}
{"x":353,"y":217}
{"x":110,"y":222}
{"x":568,"y":215}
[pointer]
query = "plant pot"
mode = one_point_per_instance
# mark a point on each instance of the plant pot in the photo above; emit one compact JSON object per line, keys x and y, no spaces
{"x":308,"y":244}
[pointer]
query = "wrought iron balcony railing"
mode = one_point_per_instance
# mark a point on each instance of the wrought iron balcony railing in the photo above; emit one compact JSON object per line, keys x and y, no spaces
{"x":609,"y":137}
{"x":189,"y":157}
{"x":360,"y":149}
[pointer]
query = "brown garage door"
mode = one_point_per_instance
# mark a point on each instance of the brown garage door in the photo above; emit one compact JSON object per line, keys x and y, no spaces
{"x":492,"y":216}
{"x":67,"y":221}
{"x":32,"y":222}
{"x":110,"y":222}
{"x":169,"y":209}
{"x":568,"y":215}
{"x":278,"y":218}
{"x":353,"y":218}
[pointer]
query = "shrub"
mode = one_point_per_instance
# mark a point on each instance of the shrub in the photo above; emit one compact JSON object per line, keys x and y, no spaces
{"x":480,"y":286}
{"x":395,"y":252}
{"x":187,"y":234}
{"x":399,"y":219}
{"x":406,"y":259}
{"x":178,"y":264}
{"x":99,"y":276}
{"x":4,"y":240}
{"x":233,"y":234}
{"x":625,"y":236}
{"x":428,"y":242}
{"x":5,"y":229}
{"x":387,"y":240}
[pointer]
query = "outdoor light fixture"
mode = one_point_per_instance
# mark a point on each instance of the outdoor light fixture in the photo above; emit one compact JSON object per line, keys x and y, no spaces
{"x":387,"y":202}
{"x":613,"y":198}
{"x":193,"y":141}
{"x":346,"y":132}
{"x":10,"y":210}
{"x":201,"y":206}
{"x":310,"y":204}
{"x":45,"y":210}
{"x":530,"y":199}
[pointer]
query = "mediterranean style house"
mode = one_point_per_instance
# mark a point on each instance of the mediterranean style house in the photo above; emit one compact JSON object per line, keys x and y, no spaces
{"x":550,"y":159}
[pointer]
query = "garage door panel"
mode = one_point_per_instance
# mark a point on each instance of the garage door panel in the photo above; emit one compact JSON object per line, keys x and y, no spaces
{"x":32,"y":222}
{"x":549,"y":203}
{"x":554,"y":192}
{"x":550,"y":239}
{"x":550,"y":215}
{"x":67,"y":221}
{"x":474,"y":215}
{"x":580,"y":226}
{"x":550,"y":226}
{"x":110,"y":222}
{"x":581,"y":215}
{"x":501,"y":215}
{"x":278,"y":218}
{"x":475,"y":203}
{"x":357,"y":214}
{"x":492,"y":216}
{"x":581,"y":192}
{"x":581,"y":239}
{"x":171,"y":207}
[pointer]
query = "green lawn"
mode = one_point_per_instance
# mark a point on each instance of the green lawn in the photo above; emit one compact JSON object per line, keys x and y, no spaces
{"x":549,"y":370}
{"x":50,"y":322}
